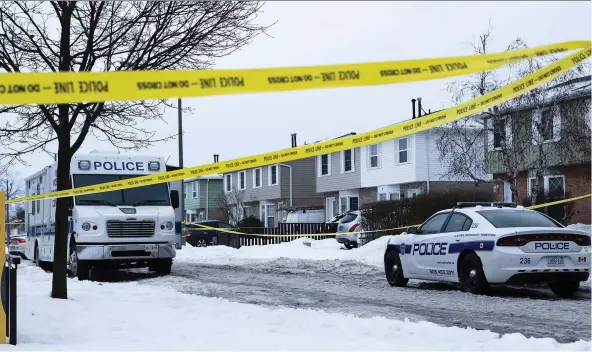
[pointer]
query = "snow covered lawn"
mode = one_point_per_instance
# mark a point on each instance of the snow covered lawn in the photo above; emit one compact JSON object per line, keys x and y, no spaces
{"x":129,"y":316}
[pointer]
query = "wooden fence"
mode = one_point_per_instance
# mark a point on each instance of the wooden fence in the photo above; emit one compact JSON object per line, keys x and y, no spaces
{"x":250,"y":239}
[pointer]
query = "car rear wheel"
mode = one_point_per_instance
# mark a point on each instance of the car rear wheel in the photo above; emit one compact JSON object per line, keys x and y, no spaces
{"x":201,"y":243}
{"x":471,"y":276}
{"x":394,"y":270}
{"x":564,"y":288}
{"x":350,"y":245}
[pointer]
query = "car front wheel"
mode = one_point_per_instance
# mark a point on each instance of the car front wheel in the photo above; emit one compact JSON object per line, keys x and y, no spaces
{"x":394,"y":270}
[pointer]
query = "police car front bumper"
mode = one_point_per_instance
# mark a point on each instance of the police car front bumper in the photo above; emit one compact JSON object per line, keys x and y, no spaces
{"x":126,"y":251}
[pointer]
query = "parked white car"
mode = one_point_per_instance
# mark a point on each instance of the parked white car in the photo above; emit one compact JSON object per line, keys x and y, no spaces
{"x":17,"y":245}
{"x":351,"y":223}
{"x":478,"y":244}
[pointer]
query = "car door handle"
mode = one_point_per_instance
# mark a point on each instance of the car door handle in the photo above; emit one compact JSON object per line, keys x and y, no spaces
{"x":457,"y":239}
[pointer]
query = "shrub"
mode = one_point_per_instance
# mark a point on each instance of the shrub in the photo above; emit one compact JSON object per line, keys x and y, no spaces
{"x":413,"y":211}
{"x":250,"y":221}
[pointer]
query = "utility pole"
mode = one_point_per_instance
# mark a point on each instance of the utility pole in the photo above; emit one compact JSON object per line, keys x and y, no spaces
{"x":6,"y":216}
{"x":182,"y":197}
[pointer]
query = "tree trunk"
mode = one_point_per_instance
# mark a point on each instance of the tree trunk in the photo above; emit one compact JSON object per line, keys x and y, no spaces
{"x":59,"y":287}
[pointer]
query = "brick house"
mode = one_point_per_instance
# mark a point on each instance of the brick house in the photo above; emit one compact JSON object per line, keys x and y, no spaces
{"x":559,"y":134}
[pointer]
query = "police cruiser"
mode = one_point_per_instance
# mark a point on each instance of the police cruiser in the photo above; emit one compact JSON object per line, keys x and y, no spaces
{"x":477,"y":244}
{"x":134,"y":227}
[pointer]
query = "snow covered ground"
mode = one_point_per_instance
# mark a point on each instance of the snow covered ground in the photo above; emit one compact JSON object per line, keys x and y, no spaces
{"x":264,"y":290}
{"x":331,"y":253}
{"x":130,"y":316}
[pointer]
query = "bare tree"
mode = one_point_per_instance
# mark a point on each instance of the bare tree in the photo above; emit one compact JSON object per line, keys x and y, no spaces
{"x":234,"y":205}
{"x":12,"y":186}
{"x":61,"y":36}
{"x":463,"y":144}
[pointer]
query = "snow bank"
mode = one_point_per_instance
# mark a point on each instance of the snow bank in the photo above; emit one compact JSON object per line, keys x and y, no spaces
{"x":325,"y":250}
{"x":128,"y":316}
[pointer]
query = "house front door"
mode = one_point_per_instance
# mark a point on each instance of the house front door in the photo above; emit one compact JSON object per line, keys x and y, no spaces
{"x":507,"y":193}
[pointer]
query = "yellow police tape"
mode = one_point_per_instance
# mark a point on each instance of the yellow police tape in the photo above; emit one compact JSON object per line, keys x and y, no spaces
{"x":379,"y":135}
{"x":76,"y":87}
{"x":373,"y":231}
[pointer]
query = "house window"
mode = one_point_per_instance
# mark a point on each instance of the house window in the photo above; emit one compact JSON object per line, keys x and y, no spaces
{"x":348,"y":203}
{"x":554,"y":186}
{"x":273,"y":177}
{"x":194,"y":190}
{"x":343,"y":204}
{"x":186,"y":193}
{"x":412,"y":193}
{"x":228,"y":182}
{"x":348,"y":160}
{"x":242,"y":180}
{"x":547,"y":125}
{"x":324,"y":164}
{"x":373,"y":152}
{"x":382,"y":197}
{"x":394,"y":196}
{"x":257,"y":178}
{"x":402,"y":150}
{"x":499,"y":132}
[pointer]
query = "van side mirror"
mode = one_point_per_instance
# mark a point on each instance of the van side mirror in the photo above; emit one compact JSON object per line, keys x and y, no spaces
{"x":175,"y":199}
{"x":412,"y":230}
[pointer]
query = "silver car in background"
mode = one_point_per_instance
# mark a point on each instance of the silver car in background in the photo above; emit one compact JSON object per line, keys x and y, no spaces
{"x":351,"y":223}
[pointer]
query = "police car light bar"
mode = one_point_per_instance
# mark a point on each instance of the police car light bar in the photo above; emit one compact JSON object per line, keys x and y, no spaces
{"x":153,"y":165}
{"x":485,"y":204}
{"x":84,"y":165}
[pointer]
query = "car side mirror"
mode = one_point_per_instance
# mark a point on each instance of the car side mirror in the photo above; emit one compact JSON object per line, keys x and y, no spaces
{"x":412,"y":230}
{"x":175,"y":199}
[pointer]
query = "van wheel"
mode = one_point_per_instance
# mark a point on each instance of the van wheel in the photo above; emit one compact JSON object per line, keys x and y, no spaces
{"x":78,"y":268}
{"x":38,"y":262}
{"x":471,"y":276}
{"x":36,"y":256}
{"x":564,"y":288}
{"x":394,"y":270}
{"x":163,"y":266}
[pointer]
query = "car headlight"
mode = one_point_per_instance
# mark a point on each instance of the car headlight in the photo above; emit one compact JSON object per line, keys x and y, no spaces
{"x":86,"y":226}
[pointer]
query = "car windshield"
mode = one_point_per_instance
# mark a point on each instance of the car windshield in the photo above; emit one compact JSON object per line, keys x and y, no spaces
{"x":157,"y":194}
{"x":504,"y":218}
{"x":349,"y":218}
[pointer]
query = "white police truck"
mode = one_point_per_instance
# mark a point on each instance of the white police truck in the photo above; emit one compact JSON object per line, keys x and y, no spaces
{"x":477,"y":244}
{"x":134,"y":227}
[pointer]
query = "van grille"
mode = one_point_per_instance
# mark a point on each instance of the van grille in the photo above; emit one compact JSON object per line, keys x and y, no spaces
{"x":116,"y":228}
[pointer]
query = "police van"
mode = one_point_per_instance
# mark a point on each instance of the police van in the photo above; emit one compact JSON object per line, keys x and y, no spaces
{"x":478,"y":244}
{"x":134,"y":227}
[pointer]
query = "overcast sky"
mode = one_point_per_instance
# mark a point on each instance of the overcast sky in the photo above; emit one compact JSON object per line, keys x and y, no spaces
{"x":318,"y":33}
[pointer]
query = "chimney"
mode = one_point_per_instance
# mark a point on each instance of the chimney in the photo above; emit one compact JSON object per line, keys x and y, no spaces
{"x":294,"y":145}
{"x":413,"y":107}
{"x":419,"y":107}
{"x":216,"y":158}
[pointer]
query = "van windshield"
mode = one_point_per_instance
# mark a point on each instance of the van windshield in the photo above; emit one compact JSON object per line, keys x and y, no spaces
{"x":157,"y":194}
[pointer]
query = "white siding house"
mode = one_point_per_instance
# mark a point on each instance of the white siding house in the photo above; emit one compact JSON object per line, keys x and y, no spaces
{"x":406,"y":167}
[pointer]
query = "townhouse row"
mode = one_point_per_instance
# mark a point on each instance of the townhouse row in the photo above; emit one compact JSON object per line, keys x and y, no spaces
{"x":409,"y":166}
